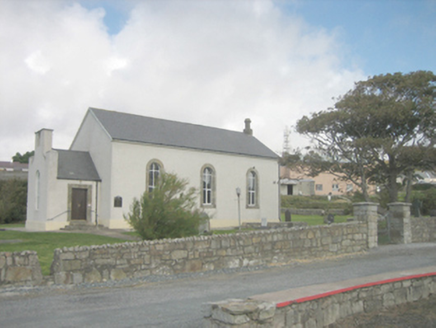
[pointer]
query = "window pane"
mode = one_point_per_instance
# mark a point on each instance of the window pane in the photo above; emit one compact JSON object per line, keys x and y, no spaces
{"x":153,"y":175}
{"x":207,"y":186}
{"x":252,"y":189}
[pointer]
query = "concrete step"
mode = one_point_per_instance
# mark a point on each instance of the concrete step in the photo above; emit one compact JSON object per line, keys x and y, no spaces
{"x":83,"y":226}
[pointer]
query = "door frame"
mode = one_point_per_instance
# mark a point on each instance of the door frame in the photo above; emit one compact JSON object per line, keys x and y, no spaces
{"x":88,"y":188}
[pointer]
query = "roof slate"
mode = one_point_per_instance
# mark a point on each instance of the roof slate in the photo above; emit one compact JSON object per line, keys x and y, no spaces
{"x":136,"y":128}
{"x":76,"y":165}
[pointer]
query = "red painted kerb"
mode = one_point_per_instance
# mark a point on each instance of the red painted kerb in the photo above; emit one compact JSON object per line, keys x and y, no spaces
{"x":343,"y":290}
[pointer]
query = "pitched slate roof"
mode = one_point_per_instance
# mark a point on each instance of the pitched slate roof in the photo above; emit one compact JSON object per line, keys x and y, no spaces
{"x":136,"y":128}
{"x":76,"y":165}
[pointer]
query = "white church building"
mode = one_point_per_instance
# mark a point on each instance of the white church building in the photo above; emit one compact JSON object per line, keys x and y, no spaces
{"x":116,"y":156}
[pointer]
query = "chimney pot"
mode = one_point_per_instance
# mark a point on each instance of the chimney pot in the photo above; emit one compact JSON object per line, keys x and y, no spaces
{"x":248,"y":129}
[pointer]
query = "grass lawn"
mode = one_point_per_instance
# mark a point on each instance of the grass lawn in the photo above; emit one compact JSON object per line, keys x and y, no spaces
{"x":44,"y":243}
{"x":12,"y":225}
{"x":310,"y":219}
{"x":315,"y":219}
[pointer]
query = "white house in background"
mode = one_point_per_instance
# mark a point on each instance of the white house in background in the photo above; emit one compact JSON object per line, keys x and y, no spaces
{"x":115,"y":157}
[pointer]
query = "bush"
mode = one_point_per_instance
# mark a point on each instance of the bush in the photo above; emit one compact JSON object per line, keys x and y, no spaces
{"x":427,"y":200}
{"x":166,"y":212}
{"x":13,"y":200}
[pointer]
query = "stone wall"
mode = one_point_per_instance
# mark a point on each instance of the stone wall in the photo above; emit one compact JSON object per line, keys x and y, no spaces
{"x":323,"y":309}
{"x":20,"y":268}
{"x":205,"y":253}
{"x":423,"y":229}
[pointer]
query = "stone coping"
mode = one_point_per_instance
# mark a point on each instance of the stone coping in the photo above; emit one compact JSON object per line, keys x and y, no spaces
{"x":307,"y":293}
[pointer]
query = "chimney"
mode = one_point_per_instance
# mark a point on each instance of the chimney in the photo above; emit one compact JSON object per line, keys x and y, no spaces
{"x":43,"y":140}
{"x":248,"y":129}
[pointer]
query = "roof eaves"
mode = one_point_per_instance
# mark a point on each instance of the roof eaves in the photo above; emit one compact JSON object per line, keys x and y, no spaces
{"x":199,"y":149}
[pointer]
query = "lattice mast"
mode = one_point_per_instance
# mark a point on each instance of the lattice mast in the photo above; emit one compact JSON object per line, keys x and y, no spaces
{"x":286,"y":147}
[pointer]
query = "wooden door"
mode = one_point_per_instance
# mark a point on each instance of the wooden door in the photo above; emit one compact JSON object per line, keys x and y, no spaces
{"x":78,"y":204}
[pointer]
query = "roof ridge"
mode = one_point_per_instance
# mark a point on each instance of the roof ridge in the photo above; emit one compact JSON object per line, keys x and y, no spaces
{"x":165,"y":119}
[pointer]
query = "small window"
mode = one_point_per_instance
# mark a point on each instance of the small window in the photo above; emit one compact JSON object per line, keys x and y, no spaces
{"x":318,"y":187}
{"x":335,"y":187}
{"x":118,"y":201}
{"x":349,"y":187}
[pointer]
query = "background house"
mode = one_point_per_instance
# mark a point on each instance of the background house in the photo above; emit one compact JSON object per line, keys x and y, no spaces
{"x":300,"y":187}
{"x":295,"y":183}
{"x":13,"y":170}
{"x":115,"y":157}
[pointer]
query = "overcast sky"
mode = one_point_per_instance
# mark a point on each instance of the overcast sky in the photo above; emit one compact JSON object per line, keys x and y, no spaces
{"x":206,"y":62}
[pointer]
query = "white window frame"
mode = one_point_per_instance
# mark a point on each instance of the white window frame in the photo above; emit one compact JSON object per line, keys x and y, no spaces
{"x":153,"y":171}
{"x":252,"y":189}
{"x":207,"y":186}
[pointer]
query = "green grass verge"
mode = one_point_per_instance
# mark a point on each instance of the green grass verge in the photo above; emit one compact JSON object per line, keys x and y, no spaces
{"x":44,"y":243}
{"x":315,"y":219}
{"x":12,"y":225}
{"x":315,"y":202}
{"x":311,"y":220}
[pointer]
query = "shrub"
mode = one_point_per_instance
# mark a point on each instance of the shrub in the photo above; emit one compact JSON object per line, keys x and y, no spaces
{"x":13,"y":200}
{"x":166,"y":212}
{"x":427,"y":200}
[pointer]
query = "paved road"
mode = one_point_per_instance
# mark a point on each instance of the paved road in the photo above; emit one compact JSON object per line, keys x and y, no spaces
{"x":178,"y":303}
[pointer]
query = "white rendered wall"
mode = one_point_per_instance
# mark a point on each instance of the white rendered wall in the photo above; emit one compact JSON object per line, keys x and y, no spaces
{"x":45,"y":162}
{"x":92,"y":138}
{"x":128,"y":178}
{"x":54,"y":201}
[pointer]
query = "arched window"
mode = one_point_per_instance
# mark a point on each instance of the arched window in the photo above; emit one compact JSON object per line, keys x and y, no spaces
{"x":37,"y":189}
{"x":252,"y":189}
{"x":153,"y":170}
{"x":153,"y":175}
{"x":207,"y":186}
{"x":118,"y":201}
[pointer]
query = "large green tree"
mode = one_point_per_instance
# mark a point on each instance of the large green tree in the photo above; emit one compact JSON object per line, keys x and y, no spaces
{"x":23,"y":158}
{"x":381,"y":129}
